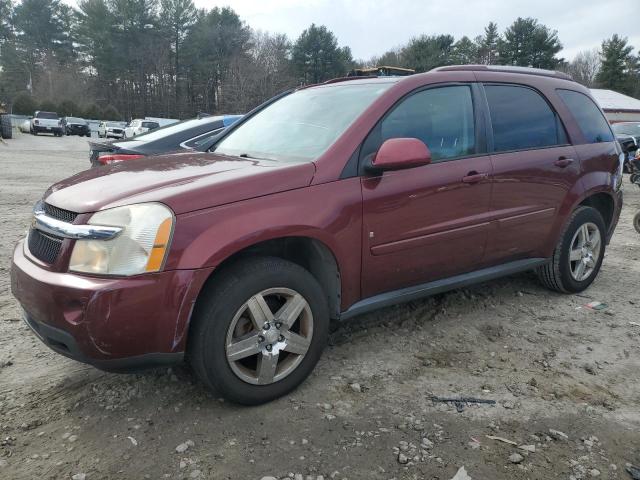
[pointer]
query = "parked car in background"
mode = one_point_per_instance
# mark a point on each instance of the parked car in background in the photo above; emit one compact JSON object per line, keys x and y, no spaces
{"x":76,"y":126}
{"x":163,"y":122}
{"x":139,"y":126}
{"x":186,"y":135}
{"x":628,"y":134}
{"x":325,"y":203}
{"x":631,"y":129}
{"x":25,"y":126}
{"x":111,"y":129}
{"x":46,"y":122}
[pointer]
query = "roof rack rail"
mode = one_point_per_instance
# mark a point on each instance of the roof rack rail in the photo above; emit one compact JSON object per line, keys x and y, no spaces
{"x":505,"y":69}
{"x":345,"y":79}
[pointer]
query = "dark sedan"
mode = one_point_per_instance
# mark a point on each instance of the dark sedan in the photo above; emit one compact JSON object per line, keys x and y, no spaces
{"x":186,"y":135}
{"x":76,"y":126}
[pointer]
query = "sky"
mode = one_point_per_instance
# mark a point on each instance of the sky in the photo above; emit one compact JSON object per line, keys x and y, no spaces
{"x":371,"y":27}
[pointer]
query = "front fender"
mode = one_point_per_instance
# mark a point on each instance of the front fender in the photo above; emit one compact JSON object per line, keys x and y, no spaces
{"x":330,"y":213}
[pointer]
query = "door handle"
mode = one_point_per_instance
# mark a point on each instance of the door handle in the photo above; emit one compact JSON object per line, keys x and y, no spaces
{"x":563,"y":162}
{"x":474,"y":177}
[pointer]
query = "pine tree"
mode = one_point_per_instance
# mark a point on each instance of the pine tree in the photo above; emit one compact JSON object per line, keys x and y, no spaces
{"x":527,"y":43}
{"x":617,"y":69}
{"x":488,"y":45}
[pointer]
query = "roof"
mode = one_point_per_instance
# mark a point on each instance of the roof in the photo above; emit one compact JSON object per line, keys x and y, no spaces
{"x":610,"y":100}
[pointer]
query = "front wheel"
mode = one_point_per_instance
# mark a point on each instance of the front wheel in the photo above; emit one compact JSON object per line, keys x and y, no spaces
{"x":577,"y":258}
{"x":258,"y":330}
{"x":636,"y":222}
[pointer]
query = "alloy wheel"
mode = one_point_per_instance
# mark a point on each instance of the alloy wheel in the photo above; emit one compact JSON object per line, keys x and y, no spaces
{"x":586,"y":246}
{"x":269,"y":336}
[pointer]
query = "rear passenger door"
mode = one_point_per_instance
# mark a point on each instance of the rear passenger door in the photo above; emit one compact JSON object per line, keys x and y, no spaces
{"x":534,"y":167}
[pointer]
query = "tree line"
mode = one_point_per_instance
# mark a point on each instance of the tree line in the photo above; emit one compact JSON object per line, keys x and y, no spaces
{"x":119,"y":59}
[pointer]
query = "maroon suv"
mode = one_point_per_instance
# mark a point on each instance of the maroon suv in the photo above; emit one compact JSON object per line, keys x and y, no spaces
{"x":324,"y":203}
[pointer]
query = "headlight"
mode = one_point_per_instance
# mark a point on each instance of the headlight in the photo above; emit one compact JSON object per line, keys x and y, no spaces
{"x":141,"y":247}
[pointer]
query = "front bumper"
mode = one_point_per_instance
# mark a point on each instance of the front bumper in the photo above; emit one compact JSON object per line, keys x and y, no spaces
{"x":41,"y":129}
{"x":77,"y":130}
{"x":111,"y":323}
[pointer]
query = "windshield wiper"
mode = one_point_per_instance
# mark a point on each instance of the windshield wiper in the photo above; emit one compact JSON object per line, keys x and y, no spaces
{"x":246,"y":155}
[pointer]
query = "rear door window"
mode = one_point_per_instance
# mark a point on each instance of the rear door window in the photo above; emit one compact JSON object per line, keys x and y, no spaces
{"x":441,"y":117}
{"x":522,"y":119}
{"x":594,"y":126}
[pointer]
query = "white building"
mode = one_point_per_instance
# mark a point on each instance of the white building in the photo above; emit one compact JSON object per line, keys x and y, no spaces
{"x":617,"y":107}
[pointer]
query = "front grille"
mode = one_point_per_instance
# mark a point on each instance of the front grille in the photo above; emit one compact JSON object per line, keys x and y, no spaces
{"x":44,"y":247}
{"x":59,"y":213}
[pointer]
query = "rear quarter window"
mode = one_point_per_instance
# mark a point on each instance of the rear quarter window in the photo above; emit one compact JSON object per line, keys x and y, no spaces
{"x":588,"y":116}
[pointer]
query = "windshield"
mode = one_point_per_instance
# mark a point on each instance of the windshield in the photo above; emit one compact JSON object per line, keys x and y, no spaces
{"x":303,"y":124}
{"x":167,"y":130}
{"x":626,"y":128}
{"x":75,"y":120}
{"x":115,"y":124}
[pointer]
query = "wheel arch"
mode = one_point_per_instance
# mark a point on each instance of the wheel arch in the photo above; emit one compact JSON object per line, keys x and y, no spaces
{"x":310,"y":253}
{"x":603,"y":202}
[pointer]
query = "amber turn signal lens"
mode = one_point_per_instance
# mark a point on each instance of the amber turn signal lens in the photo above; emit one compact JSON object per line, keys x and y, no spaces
{"x":159,"y":246}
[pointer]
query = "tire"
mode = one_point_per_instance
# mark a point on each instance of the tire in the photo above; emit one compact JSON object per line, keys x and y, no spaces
{"x":5,"y":127}
{"x":560,"y":273}
{"x":222,"y":309}
{"x":636,"y":222}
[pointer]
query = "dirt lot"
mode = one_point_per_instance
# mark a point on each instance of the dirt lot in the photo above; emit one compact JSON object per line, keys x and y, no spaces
{"x":366,"y":412}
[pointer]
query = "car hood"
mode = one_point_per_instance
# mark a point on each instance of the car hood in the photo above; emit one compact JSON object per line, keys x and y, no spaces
{"x":185,"y":182}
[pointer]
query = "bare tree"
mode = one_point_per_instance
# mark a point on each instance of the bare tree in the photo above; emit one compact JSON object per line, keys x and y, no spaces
{"x":258,"y":74}
{"x":585,"y":67}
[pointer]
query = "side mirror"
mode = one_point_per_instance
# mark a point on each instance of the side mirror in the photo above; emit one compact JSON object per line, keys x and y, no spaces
{"x":399,"y":153}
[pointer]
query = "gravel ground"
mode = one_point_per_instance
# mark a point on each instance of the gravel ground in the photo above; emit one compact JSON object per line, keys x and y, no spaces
{"x":566,"y":381}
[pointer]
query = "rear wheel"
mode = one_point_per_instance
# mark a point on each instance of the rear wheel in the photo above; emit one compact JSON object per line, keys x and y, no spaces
{"x":577,"y":258}
{"x":636,"y":222}
{"x":258,"y":330}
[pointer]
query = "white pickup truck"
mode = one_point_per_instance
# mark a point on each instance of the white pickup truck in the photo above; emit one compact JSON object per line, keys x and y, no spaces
{"x":46,"y":122}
